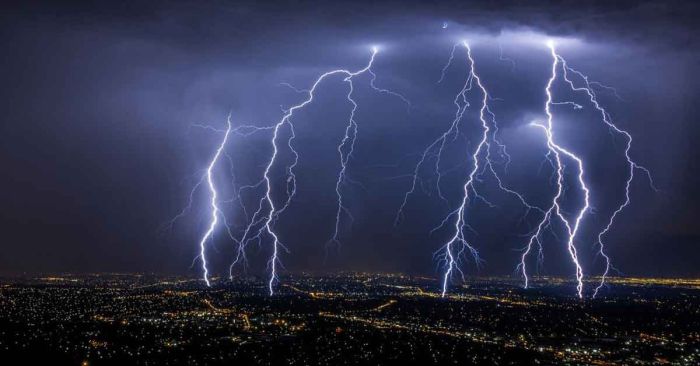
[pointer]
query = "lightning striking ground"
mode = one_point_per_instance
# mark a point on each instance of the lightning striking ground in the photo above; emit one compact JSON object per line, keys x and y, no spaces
{"x":215,"y":211}
{"x":452,"y":252}
{"x":587,"y":88}
{"x":572,"y":225}
{"x":449,"y":255}
{"x":452,"y":255}
{"x":266,"y":214}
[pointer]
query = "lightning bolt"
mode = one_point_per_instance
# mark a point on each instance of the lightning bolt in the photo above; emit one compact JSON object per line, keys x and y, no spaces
{"x":206,"y":177}
{"x":267,"y":212}
{"x":572,"y":225}
{"x":451,"y":252}
{"x":215,"y":211}
{"x":587,"y":88}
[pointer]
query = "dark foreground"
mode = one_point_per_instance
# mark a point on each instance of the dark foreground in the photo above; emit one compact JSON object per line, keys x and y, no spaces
{"x":345,"y":320}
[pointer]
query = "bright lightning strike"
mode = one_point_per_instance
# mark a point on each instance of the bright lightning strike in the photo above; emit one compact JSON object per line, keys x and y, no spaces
{"x":572,"y":224}
{"x":261,"y":223}
{"x":451,"y":252}
{"x":215,"y":211}
{"x":267,"y":212}
{"x":605,"y":117}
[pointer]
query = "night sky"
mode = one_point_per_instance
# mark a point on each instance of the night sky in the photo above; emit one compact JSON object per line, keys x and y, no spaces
{"x":98,"y":151}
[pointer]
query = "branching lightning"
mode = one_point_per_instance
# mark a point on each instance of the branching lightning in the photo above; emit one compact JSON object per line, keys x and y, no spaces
{"x":605,"y":117}
{"x":488,"y":158}
{"x":451,"y":252}
{"x":573,"y":224}
{"x":266,"y":214}
{"x":217,"y":216}
{"x":215,"y":211}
